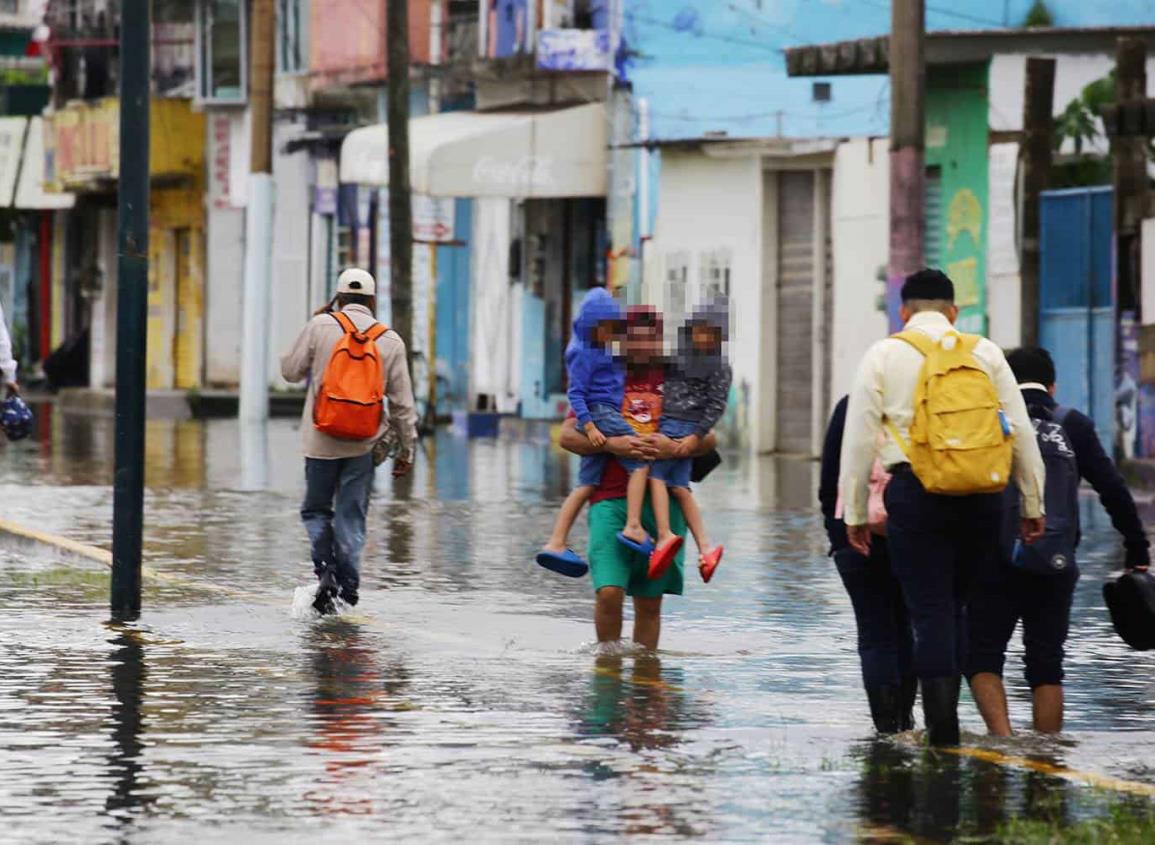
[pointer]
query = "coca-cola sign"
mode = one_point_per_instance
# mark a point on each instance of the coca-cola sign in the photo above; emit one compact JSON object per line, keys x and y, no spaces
{"x":526,"y":172}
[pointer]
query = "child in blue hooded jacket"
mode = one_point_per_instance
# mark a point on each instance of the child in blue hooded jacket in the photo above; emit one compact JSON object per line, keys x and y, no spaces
{"x":597,"y":385}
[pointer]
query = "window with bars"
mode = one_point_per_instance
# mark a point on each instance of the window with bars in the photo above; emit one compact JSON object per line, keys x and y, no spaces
{"x":222,"y":51}
{"x":292,"y":36}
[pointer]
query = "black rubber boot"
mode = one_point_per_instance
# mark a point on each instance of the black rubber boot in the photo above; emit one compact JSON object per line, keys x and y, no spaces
{"x":885,"y":707}
{"x":326,"y":592}
{"x":906,"y":704}
{"x":940,"y":709}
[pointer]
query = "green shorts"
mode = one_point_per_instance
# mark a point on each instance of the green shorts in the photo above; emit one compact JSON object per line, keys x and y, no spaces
{"x":613,"y":565}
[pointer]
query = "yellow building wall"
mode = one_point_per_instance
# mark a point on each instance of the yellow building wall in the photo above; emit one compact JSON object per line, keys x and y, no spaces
{"x":161,"y":308}
{"x":58,"y":270}
{"x":176,"y":250}
{"x":189,"y":308}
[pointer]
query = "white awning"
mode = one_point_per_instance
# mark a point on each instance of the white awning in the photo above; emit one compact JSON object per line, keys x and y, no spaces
{"x":559,"y":153}
{"x":30,"y":193}
{"x":11,"y":144}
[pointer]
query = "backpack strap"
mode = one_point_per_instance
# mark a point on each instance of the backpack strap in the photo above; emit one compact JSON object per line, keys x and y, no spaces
{"x":924,"y":345}
{"x":918,"y":340}
{"x":346,"y":323}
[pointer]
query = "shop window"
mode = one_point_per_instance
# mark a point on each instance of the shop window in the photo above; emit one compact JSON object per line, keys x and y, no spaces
{"x":292,"y":36}
{"x":222,"y":51}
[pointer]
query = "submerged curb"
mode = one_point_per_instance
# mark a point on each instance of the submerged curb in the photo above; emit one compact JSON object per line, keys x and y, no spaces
{"x":63,"y":543}
{"x":103,"y":556}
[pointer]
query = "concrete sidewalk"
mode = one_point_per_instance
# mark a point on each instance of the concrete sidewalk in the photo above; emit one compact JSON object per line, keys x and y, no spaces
{"x":175,"y":404}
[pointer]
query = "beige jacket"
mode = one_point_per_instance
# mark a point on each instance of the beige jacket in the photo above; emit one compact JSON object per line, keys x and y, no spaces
{"x":310,"y":356}
{"x":884,"y":390}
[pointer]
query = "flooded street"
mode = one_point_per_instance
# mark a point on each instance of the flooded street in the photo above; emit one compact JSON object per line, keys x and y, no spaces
{"x":462,"y":699}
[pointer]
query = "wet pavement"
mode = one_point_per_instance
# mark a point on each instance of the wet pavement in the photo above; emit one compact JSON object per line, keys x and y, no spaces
{"x":463,"y":698}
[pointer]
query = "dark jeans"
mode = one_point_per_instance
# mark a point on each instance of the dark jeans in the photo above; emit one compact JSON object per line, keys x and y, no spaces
{"x":1042,"y":602}
{"x":939,"y":547}
{"x":885,"y":641}
{"x":334,"y":510}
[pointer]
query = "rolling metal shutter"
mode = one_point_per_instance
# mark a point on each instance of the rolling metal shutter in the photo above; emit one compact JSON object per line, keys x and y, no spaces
{"x":795,"y":307}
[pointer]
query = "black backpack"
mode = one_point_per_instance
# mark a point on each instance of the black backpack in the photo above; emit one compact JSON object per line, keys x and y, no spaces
{"x":1054,"y":552}
{"x":1131,"y":600}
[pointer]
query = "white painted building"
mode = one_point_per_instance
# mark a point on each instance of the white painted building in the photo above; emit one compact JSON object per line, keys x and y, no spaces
{"x":751,"y":219}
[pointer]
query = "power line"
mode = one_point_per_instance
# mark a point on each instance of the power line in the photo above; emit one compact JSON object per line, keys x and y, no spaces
{"x":634,"y":16}
{"x":881,"y":4}
{"x":745,"y":118}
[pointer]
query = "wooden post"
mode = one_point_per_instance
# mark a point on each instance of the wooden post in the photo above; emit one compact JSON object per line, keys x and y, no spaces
{"x":1038,"y":123}
{"x":400,"y":193}
{"x":907,"y":134}
{"x":258,"y":278}
{"x":1129,"y":158}
{"x":1129,"y":155}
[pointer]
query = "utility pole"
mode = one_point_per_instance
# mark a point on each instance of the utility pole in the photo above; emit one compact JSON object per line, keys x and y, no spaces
{"x":907,"y":133}
{"x":131,"y":309}
{"x":400,"y":192}
{"x":1129,"y":156}
{"x":258,"y":219}
{"x":1038,"y":123}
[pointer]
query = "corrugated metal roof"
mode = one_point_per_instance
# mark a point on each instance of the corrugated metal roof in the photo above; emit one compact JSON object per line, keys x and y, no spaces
{"x":871,"y":55}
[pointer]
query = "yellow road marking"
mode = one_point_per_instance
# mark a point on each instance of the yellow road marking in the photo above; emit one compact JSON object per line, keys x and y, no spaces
{"x":616,"y":674}
{"x":1062,"y":772}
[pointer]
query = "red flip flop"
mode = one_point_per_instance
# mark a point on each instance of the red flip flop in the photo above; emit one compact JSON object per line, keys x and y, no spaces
{"x":663,"y":556}
{"x":710,"y":562}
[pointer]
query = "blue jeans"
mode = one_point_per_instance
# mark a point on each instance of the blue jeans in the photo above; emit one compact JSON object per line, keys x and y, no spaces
{"x":940,"y":548}
{"x":675,"y":471}
{"x":885,"y":639}
{"x":611,"y":423}
{"x":334,"y":510}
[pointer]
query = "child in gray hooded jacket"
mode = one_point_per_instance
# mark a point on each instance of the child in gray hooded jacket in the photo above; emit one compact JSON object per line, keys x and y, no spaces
{"x":696,"y":392}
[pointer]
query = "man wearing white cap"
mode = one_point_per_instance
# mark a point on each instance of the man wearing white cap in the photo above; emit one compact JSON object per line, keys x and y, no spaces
{"x":339,"y":470}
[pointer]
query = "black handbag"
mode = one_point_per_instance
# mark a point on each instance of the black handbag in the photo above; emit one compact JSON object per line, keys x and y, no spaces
{"x":1131,"y":601}
{"x":704,"y":465}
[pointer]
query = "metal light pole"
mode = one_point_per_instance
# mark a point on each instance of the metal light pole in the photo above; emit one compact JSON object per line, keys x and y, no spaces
{"x":132,"y":308}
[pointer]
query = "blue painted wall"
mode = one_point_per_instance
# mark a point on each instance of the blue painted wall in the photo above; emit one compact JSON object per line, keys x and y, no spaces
{"x":453,"y":284}
{"x":717,"y":65}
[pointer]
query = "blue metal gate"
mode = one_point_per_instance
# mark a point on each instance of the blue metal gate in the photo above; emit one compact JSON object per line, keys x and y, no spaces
{"x":1077,"y":300}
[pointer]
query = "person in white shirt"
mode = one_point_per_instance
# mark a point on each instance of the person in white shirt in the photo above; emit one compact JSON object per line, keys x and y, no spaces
{"x":938,"y":544}
{"x":7,"y":362}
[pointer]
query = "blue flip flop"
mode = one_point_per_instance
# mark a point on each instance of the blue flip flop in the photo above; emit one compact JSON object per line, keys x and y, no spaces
{"x":564,"y":563}
{"x":645,"y":549}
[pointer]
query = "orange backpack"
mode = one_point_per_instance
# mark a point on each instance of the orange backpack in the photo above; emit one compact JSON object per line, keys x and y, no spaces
{"x":352,"y":391}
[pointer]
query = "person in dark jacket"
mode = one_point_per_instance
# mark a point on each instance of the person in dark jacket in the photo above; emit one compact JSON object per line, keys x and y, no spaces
{"x":1043,"y":601}
{"x":885,"y":638}
{"x":697,"y":390}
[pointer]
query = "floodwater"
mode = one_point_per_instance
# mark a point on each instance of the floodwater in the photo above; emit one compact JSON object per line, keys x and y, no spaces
{"x":463,"y":698}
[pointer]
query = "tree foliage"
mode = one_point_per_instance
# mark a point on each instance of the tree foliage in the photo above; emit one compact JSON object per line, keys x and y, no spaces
{"x":1039,"y":15}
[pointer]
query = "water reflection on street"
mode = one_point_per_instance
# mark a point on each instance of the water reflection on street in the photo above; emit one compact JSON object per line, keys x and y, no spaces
{"x":462,"y":697}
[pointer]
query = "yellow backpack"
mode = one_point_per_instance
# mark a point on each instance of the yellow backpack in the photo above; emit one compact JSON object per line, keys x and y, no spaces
{"x":960,"y":442}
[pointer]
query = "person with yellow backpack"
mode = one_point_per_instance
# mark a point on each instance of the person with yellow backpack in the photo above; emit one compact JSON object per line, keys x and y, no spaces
{"x":353,"y":364}
{"x":955,"y":433}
